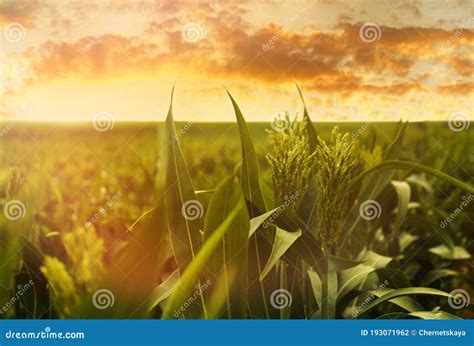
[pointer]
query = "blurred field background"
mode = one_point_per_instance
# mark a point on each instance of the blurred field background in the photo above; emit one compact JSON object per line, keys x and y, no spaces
{"x":78,"y":167}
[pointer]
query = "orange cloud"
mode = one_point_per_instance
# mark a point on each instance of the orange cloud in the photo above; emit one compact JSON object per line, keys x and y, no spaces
{"x":334,"y":62}
{"x":236,"y":44}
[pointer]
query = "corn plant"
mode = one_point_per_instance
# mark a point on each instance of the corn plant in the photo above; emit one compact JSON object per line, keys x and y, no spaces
{"x":314,"y":251}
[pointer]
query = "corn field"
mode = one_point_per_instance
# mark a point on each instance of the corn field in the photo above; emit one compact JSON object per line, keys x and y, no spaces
{"x":290,"y":220}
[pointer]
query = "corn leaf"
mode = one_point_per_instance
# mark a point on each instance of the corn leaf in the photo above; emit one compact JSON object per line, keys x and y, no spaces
{"x":403,"y":292}
{"x":331,"y":294}
{"x":406,"y":165}
{"x":183,"y":231}
{"x":257,"y":221}
{"x":353,"y":278}
{"x":456,"y":253}
{"x":190,"y":277}
{"x":313,"y":138}
{"x":406,"y":302}
{"x":163,"y":290}
{"x":316,"y":285}
{"x":282,"y":242}
{"x":307,"y":207}
{"x":403,"y":193}
{"x":336,"y":264}
{"x":436,"y":274}
{"x":232,"y":255}
{"x":267,"y":195}
{"x":250,"y":168}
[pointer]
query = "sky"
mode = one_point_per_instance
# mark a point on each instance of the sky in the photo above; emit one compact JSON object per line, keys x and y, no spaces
{"x":369,"y":60}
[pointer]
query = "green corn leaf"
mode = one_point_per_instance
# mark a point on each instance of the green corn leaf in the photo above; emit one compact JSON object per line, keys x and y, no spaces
{"x":436,"y":274}
{"x":307,"y":207}
{"x":353,"y":278}
{"x":406,"y":165}
{"x":267,"y":195}
{"x":190,"y":277}
{"x":183,"y":209}
{"x":331,"y":295}
{"x":306,"y":246}
{"x":406,"y":239}
{"x":163,"y":290}
{"x":403,"y":193}
{"x":257,"y":221}
{"x":313,"y":138}
{"x":283,"y":280}
{"x":403,"y":292}
{"x":406,"y":302}
{"x":282,"y":242}
{"x":316,"y":285}
{"x":336,"y":264}
{"x":232,"y":255}
{"x":204,"y":192}
{"x":250,"y":168}
{"x":218,"y":298}
{"x":376,"y":260}
{"x":456,"y":253}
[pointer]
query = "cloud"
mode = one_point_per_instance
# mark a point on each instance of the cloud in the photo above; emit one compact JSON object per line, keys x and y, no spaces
{"x":235,"y":48}
{"x":457,"y":88}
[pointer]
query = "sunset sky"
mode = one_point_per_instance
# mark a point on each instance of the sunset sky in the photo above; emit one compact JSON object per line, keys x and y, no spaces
{"x":354,"y":60}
